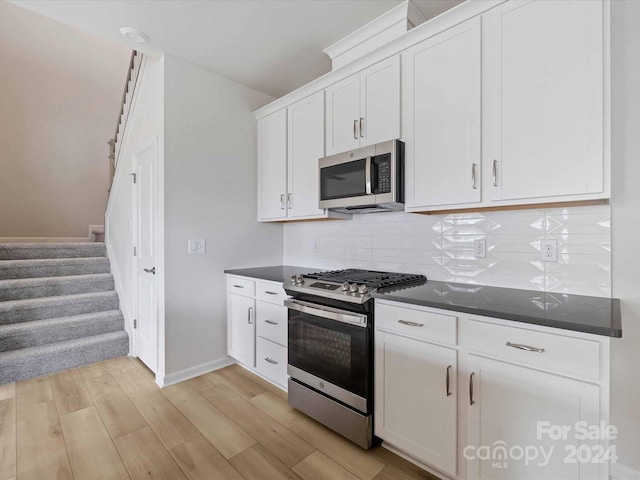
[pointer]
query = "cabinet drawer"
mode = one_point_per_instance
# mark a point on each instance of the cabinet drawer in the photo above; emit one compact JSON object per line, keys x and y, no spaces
{"x":417,"y":323}
{"x":241,"y":286}
{"x":547,"y":351}
{"x":271,"y":361}
{"x":272,"y":322}
{"x":270,"y":292}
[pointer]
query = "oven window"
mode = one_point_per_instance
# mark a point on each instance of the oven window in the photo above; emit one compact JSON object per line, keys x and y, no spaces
{"x":343,"y":180}
{"x":334,"y":351}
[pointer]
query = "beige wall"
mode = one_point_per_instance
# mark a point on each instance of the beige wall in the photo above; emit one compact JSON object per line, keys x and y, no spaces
{"x":60,"y":91}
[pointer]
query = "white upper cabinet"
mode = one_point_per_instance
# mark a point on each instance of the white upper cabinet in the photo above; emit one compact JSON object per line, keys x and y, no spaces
{"x":272,"y":166}
{"x":364,"y":109}
{"x":442,"y":118}
{"x":306,"y":146}
{"x":547,"y":70}
{"x":343,"y":115}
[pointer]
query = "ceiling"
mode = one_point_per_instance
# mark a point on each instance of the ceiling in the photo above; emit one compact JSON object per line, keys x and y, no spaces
{"x":273,"y":46}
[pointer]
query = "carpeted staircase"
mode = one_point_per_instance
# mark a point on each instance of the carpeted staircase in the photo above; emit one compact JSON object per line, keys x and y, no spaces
{"x":58,"y":309}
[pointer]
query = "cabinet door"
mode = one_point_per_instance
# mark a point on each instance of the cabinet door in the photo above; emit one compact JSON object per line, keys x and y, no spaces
{"x":380,"y":102}
{"x":442,"y":100}
{"x":413,"y":410}
{"x":241,"y":324}
{"x":547,"y":99}
{"x":306,"y":146}
{"x":509,"y":401}
{"x":343,"y":115}
{"x":272,"y":166}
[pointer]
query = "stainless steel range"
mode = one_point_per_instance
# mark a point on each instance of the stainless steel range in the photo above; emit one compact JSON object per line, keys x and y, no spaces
{"x":330,"y":333}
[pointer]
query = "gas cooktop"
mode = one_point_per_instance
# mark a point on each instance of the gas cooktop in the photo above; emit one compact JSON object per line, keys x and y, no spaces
{"x":351,"y":285}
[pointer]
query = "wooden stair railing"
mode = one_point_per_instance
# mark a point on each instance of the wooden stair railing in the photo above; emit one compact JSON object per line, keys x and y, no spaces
{"x":125,"y":107}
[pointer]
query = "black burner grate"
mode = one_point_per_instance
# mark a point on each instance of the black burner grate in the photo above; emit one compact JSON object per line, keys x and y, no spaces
{"x":370,"y":278}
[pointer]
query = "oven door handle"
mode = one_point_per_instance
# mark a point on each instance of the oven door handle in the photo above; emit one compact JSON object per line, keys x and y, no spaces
{"x":327,"y":312}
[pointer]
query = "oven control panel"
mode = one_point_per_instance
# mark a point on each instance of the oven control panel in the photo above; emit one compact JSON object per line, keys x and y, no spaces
{"x":325,"y":286}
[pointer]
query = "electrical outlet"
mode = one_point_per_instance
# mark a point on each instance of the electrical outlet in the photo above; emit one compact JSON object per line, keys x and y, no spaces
{"x":549,"y":250}
{"x":197,"y":246}
{"x":480,"y":248}
{"x":316,"y":246}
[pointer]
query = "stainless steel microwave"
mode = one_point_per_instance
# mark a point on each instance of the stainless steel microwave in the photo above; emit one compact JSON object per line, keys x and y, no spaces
{"x":367,"y":180}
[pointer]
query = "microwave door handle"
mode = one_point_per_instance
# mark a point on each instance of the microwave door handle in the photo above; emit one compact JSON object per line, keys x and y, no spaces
{"x":367,"y":175}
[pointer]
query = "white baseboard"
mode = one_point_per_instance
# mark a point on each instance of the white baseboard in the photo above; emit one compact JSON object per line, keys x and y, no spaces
{"x":192,"y":372}
{"x":43,"y":239}
{"x":622,"y":472}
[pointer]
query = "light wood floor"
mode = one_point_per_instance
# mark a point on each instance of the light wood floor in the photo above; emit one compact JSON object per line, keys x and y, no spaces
{"x":110,"y":421}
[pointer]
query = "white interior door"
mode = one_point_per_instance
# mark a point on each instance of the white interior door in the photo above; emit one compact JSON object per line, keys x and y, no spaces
{"x":145,"y":162}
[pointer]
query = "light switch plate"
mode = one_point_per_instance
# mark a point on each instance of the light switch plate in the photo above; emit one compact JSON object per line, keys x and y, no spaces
{"x":197,"y":246}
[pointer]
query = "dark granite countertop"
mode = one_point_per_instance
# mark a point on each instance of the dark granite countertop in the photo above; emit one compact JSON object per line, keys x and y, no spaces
{"x":275,"y":273}
{"x":597,"y":315}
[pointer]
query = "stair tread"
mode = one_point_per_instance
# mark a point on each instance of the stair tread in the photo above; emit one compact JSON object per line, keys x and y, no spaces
{"x":40,"y":281}
{"x":59,"y":299}
{"x":11,"y":245}
{"x":30,"y":262}
{"x":25,"y":326}
{"x":48,"y":348}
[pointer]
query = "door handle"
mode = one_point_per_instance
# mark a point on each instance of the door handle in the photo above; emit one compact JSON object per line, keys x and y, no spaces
{"x":271,"y":322}
{"x":271,"y":361}
{"x":289,"y":201}
{"x":361,"y":129}
{"x":150,"y":270}
{"x":355,"y":126}
{"x":448,"y":381}
{"x":282,"y":201}
{"x":249,"y":315}
{"x":520,"y":346}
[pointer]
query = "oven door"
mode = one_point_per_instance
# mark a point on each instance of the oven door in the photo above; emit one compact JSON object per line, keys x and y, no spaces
{"x":329,"y":350}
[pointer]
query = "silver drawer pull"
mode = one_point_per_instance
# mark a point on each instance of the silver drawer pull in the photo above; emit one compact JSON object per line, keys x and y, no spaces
{"x":270,"y":322}
{"x":238,"y":286}
{"x":270,"y":293}
{"x":271,"y":361}
{"x":411,"y":324}
{"x":525,"y":347}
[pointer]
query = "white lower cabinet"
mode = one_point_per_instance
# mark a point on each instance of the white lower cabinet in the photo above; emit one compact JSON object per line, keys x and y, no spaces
{"x":257,"y":327}
{"x":519,"y":396}
{"x":415,"y":404}
{"x":510,"y":409}
{"x":242,"y":327}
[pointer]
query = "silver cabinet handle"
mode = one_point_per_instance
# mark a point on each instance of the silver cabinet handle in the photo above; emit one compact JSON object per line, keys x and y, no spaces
{"x":361,"y":129}
{"x":289,"y":201}
{"x":355,"y":126}
{"x":152,"y":271}
{"x":282,"y":201}
{"x":411,"y":324}
{"x":448,"y":380}
{"x":270,"y":293}
{"x":471,"y":400}
{"x":474,"y":184}
{"x":271,"y":322}
{"x":271,"y":361}
{"x":249,"y":321}
{"x":519,"y":346}
{"x":238,"y":286}
{"x":495,"y":173}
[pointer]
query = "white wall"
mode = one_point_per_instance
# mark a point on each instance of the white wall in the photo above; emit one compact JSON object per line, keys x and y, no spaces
{"x":60,"y":94}
{"x":145,"y":123}
{"x":625,"y":395}
{"x":441,"y":247}
{"x":210,"y":193}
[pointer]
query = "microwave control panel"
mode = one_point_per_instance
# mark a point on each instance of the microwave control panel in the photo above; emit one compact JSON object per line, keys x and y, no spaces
{"x":383,"y":170}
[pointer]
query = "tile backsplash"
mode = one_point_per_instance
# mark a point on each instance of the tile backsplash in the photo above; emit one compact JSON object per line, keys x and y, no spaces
{"x":442,"y":247}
